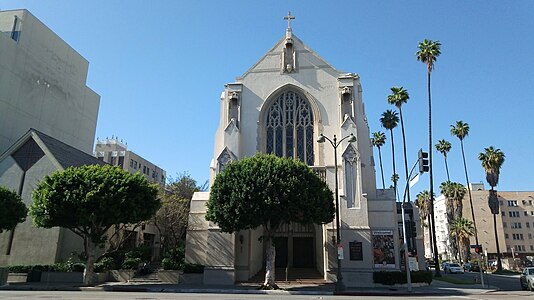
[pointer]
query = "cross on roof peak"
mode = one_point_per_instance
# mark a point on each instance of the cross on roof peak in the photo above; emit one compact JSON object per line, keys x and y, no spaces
{"x":289,"y":17}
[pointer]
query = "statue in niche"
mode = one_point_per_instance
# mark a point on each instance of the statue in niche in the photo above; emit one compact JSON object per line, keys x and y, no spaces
{"x":346,"y":102}
{"x":288,"y":56}
{"x":233,"y":107}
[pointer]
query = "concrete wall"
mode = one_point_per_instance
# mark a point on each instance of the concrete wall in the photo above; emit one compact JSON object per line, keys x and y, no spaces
{"x":42,"y":85}
{"x":30,"y":245}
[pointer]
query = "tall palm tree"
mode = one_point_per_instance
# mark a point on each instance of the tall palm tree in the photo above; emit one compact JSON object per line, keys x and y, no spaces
{"x":378,"y":140}
{"x":428,"y":54}
{"x":423,"y":203}
{"x":492,"y":160}
{"x":398,"y":97}
{"x":461,"y":130}
{"x":389,"y":120}
{"x":463,"y":230}
{"x":454,"y":193}
{"x":444,"y":147}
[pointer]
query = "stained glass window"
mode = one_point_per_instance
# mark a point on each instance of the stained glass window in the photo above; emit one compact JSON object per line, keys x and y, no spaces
{"x":289,"y":127}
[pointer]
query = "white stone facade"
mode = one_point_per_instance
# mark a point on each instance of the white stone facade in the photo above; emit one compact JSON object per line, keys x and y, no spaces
{"x":331,"y":104}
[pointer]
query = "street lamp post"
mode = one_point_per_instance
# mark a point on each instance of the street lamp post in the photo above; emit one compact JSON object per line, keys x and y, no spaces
{"x":340,"y":286}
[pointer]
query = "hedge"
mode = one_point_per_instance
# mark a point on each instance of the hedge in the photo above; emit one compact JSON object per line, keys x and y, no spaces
{"x":398,"y":277}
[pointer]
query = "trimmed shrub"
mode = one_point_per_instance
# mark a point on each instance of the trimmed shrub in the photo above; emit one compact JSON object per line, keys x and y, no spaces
{"x":131,"y":263}
{"x":105,"y":264}
{"x":171,"y":264}
{"x":398,"y":277}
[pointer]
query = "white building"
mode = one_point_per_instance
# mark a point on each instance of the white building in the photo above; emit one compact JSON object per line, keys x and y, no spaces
{"x":281,"y":105}
{"x":42,"y":85}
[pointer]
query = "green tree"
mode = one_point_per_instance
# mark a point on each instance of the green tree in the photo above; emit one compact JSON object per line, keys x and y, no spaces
{"x":461,"y":130}
{"x":454,"y":194}
{"x":13,"y":209}
{"x":423,"y":203}
{"x":462,"y":229}
{"x":428,"y":53}
{"x":171,"y":218}
{"x":492,"y":160}
{"x":88,"y":200}
{"x":444,"y":147}
{"x":268,"y":191}
{"x":378,"y":140}
{"x":398,"y":97}
{"x":389,"y":121}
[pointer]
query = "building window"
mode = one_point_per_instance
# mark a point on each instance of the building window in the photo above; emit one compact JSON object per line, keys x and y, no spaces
{"x":519,"y":248}
{"x":529,"y":202}
{"x":512,"y":202}
{"x":513,"y":214}
{"x":503,"y":214}
{"x":526,"y":213}
{"x":516,"y":225}
{"x":530,"y":236}
{"x":131,"y":163}
{"x":528,"y":224}
{"x":121,"y":161}
{"x":289,"y":128}
{"x":517,"y":236}
{"x":504,"y":225}
{"x":531,"y":247}
{"x":506,"y":235}
{"x":113,"y":161}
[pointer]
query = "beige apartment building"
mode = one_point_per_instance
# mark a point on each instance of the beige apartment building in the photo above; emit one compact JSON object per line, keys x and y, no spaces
{"x":515,"y":222}
{"x":116,"y":153}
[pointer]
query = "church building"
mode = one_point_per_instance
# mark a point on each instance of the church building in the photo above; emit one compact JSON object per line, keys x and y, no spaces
{"x":282,"y":105}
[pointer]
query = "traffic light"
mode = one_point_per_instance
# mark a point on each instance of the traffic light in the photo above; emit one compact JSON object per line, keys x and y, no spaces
{"x":478,"y":249}
{"x":423,"y":161}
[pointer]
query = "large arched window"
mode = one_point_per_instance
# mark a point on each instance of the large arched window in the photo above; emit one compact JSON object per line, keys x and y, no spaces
{"x":289,"y":127}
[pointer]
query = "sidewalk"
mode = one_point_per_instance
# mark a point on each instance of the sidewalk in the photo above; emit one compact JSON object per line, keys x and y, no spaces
{"x":436,"y":288}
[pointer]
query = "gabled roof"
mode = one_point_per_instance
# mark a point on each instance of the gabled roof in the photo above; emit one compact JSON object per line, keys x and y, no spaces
{"x":311,"y":57}
{"x":61,"y":154}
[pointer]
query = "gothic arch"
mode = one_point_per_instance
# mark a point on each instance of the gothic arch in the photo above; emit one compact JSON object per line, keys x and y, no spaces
{"x":352,"y":175}
{"x":301,"y":111}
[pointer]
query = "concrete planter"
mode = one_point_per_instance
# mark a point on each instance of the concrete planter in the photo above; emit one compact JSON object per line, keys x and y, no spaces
{"x":4,"y":272}
{"x":63,"y":277}
{"x":122,"y":275}
{"x":192,"y":278}
{"x":170,"y":276}
{"x":17,"y":277}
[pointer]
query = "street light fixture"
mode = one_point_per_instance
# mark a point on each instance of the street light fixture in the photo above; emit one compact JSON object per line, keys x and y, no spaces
{"x":340,"y":286}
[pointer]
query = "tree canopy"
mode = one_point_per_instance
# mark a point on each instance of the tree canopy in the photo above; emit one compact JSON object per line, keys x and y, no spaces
{"x":89,"y":200}
{"x":266,"y":190}
{"x":13,"y":209}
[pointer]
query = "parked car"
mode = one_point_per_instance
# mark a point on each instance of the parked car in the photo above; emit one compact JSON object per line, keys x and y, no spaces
{"x":467,"y":266}
{"x":474,"y":268}
{"x":453,"y":268}
{"x":527,"y":279}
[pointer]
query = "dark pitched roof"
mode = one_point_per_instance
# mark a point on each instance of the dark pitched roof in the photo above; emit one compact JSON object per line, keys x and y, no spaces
{"x":66,"y":155}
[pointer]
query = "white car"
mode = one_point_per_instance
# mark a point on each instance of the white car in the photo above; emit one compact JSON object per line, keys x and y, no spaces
{"x":527,"y":279}
{"x":453,"y":268}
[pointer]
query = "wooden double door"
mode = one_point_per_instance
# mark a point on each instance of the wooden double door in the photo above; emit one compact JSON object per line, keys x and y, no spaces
{"x":295,"y":252}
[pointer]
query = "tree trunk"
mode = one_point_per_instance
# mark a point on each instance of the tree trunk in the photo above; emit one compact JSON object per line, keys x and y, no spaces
{"x":393,"y":155}
{"x":431,"y":180}
{"x":89,"y":276}
{"x":381,"y":169}
{"x":469,"y":191}
{"x":499,"y":263}
{"x":405,"y":159}
{"x":270,"y":253}
{"x":447,"y":168}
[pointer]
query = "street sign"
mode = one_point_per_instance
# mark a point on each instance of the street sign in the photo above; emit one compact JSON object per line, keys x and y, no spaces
{"x":339,"y":251}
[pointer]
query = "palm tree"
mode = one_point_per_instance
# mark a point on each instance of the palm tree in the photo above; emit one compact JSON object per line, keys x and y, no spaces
{"x":454,"y":193}
{"x":444,"y":147}
{"x":428,"y":54}
{"x":398,"y":97}
{"x":378,"y":140}
{"x":423,"y":203}
{"x":463,"y":230}
{"x":389,"y":120}
{"x":461,"y":130}
{"x":492,"y":160}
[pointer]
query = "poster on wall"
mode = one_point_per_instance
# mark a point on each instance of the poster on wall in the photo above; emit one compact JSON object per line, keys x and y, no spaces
{"x":383,"y":249}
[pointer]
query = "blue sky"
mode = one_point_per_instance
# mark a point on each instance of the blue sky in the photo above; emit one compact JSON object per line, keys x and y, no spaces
{"x":160,"y":68}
